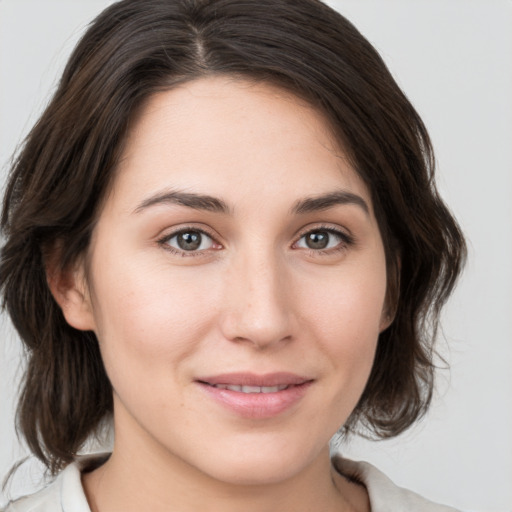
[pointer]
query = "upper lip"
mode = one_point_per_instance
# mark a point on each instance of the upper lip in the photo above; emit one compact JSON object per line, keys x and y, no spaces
{"x":253,"y":379}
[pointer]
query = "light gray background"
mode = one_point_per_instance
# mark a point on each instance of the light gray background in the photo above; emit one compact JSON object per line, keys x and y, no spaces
{"x":454,"y":60}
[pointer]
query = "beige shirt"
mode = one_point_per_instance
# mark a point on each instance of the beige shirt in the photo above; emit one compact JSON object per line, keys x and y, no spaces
{"x":66,"y":494}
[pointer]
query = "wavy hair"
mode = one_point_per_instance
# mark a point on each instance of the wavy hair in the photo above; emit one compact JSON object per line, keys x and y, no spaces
{"x":66,"y":164}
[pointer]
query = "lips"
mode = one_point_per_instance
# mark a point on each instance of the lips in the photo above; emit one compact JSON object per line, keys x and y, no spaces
{"x":256,"y":396}
{"x":255,"y":380}
{"x":251,"y":389}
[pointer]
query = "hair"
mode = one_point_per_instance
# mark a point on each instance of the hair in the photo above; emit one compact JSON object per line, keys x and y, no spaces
{"x":63,"y":170}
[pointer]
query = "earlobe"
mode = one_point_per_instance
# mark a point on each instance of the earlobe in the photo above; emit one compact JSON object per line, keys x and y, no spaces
{"x":386,"y":320}
{"x":70,"y":291}
{"x":389,"y":311}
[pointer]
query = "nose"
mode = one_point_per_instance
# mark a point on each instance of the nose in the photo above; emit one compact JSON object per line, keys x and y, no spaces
{"x":258,"y":305}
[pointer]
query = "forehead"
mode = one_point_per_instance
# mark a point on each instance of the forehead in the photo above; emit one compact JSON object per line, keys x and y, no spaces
{"x":233,"y":137}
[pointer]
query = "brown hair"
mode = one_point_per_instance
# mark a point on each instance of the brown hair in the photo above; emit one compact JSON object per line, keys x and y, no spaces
{"x":137,"y":47}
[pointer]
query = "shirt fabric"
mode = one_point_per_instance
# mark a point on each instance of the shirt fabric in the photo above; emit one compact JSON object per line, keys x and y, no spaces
{"x":66,"y":494}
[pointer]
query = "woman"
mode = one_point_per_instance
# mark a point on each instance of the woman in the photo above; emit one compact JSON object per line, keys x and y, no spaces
{"x":223,"y":234}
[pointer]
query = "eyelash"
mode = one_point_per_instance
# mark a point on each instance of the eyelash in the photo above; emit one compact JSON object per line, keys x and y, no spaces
{"x":346,"y":241}
{"x":185,"y":254}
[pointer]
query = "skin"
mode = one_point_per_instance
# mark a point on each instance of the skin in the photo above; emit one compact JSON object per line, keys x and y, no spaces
{"x":255,"y":297}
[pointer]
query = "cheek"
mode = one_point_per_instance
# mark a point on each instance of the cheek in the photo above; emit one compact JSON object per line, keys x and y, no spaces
{"x":349,"y":304}
{"x":148,"y":317}
{"x":345,"y":317}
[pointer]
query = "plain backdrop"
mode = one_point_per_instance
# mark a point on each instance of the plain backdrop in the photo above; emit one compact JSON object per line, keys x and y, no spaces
{"x":453,"y":58}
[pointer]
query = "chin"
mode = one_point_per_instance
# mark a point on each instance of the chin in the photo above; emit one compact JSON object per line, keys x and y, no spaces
{"x":259,"y":464}
{"x":253,"y":473}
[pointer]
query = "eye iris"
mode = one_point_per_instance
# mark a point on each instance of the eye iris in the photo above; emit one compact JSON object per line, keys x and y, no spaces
{"x":317,"y":240}
{"x":189,"y":241}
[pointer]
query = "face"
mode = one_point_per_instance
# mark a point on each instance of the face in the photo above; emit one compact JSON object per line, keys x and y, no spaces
{"x":236,"y":282}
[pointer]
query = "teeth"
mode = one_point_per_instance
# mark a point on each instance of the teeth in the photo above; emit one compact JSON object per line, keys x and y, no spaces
{"x":252,"y":389}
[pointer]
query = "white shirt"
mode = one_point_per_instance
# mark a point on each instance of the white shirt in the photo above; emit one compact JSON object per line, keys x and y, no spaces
{"x":66,"y":494}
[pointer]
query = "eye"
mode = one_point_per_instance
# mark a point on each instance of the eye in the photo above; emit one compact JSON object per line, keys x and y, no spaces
{"x":189,"y":240}
{"x":323,"y":239}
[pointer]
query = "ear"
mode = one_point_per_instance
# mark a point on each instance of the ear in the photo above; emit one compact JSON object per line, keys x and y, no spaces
{"x":392,"y":294}
{"x":71,"y":292}
{"x":385,"y":320}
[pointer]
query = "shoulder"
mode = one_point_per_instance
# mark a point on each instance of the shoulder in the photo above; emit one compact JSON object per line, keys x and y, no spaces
{"x":384,"y":495}
{"x":64,"y":494}
{"x":45,"y":500}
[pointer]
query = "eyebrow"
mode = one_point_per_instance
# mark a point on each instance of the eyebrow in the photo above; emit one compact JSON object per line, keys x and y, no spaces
{"x":213,"y":204}
{"x":325,"y":201}
{"x":189,"y":199}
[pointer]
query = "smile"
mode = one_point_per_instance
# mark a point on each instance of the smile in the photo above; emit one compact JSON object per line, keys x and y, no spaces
{"x":256,"y":397}
{"x":252,"y":389}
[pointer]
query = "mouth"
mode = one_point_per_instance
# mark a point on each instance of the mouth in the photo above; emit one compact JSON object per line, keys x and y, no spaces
{"x":256,"y":396}
{"x":250,"y":389}
{"x":255,"y":383}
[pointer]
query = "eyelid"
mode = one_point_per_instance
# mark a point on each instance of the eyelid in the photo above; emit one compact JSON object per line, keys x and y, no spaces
{"x":347,"y":239}
{"x":162,"y":240}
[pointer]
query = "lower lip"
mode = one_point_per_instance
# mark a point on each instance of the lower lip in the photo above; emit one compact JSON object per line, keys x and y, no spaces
{"x":257,"y":405}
